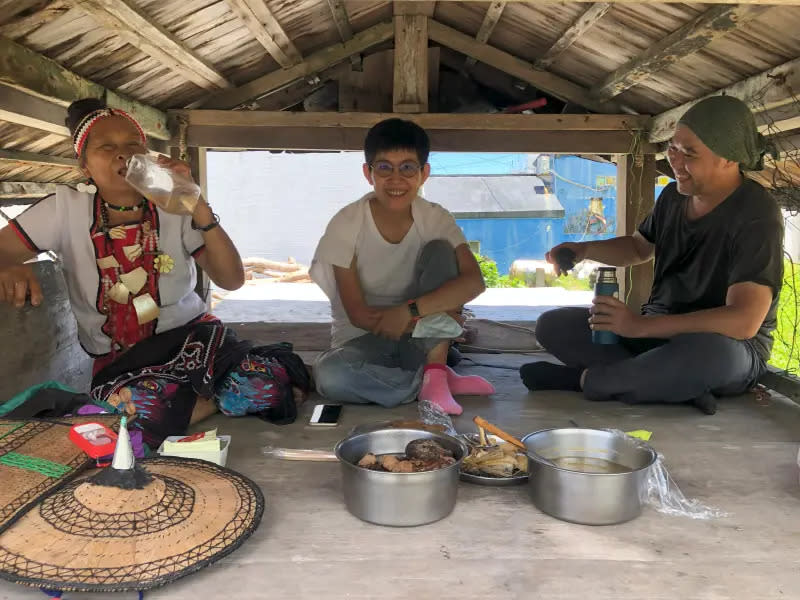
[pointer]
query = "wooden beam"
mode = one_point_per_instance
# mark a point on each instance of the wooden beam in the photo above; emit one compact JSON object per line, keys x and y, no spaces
{"x":572,"y":134}
{"x":36,"y":160}
{"x":490,"y":20}
{"x":11,"y":190}
{"x":770,"y":89}
{"x":542,"y":80}
{"x":452,"y":140}
{"x":136,"y":28}
{"x":267,"y":30}
{"x":456,"y":121}
{"x":779,"y":120}
{"x":35,"y":74}
{"x":31,"y":111}
{"x":635,"y":199}
{"x":313,"y":63}
{"x":414,"y":7}
{"x":585,"y":22}
{"x":410,"y":91}
{"x":339,"y":13}
{"x":690,"y":38}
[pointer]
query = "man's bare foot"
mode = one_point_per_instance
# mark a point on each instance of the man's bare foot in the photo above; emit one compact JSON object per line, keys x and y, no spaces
{"x":203,"y":408}
{"x":125,"y":398}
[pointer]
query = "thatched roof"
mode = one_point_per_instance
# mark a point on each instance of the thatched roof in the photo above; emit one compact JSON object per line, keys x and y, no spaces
{"x":317,"y":56}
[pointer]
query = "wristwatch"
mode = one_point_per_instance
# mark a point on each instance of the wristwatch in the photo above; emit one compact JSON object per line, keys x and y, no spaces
{"x":413,"y":309}
{"x":210,"y":226}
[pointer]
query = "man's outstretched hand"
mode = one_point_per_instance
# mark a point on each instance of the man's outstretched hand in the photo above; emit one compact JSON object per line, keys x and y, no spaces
{"x":16,"y":283}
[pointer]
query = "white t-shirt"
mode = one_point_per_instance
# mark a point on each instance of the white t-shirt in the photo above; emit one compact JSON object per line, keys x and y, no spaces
{"x":62,"y":222}
{"x":385,"y":270}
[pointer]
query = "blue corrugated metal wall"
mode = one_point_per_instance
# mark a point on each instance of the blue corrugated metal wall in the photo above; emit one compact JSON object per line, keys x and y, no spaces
{"x":574,"y":181}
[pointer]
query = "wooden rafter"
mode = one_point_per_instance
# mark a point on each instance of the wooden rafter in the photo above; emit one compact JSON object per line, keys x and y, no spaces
{"x":26,"y":17}
{"x":339,"y":13}
{"x":690,"y":38}
{"x":490,"y":20}
{"x":36,"y":160}
{"x":546,"y":82}
{"x":35,"y":74}
{"x":11,"y":11}
{"x":267,"y":30}
{"x":771,"y":89}
{"x":136,"y":28}
{"x":585,"y":22}
{"x":297,"y":92}
{"x":312,"y":64}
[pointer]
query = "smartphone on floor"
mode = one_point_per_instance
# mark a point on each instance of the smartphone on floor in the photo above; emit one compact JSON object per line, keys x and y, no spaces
{"x":325,"y":415}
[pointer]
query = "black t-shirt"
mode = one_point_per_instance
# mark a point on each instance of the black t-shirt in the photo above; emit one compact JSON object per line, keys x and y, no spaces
{"x":696,"y":261}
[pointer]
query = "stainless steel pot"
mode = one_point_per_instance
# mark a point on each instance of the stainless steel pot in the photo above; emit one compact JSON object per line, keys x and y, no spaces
{"x":397,"y":499}
{"x":584,"y":497}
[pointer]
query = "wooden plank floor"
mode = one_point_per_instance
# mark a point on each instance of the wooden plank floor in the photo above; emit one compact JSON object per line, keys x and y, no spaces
{"x":496,"y":544}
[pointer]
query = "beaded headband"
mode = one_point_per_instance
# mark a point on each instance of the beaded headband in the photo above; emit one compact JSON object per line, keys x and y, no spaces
{"x":85,"y":125}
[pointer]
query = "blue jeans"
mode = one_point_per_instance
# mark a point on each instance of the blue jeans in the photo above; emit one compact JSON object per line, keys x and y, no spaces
{"x":371,"y":369}
{"x":645,"y":370}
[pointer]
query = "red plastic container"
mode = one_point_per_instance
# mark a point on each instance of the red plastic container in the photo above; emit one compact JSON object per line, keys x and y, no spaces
{"x":93,"y":438}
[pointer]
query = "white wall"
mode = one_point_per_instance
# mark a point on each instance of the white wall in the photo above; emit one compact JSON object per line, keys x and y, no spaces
{"x":277,"y":205}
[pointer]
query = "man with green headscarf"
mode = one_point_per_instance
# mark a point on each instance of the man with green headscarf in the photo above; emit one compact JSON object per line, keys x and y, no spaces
{"x":717,"y":240}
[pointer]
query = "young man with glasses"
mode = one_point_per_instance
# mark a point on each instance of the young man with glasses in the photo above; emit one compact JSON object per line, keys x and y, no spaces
{"x":393,"y":263}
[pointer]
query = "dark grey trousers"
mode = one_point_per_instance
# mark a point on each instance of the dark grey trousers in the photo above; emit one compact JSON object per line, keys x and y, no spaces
{"x":370,"y":368}
{"x":646,"y":370}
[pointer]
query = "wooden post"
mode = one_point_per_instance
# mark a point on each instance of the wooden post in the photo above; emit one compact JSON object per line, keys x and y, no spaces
{"x":410,"y":93}
{"x":635,"y":199}
{"x":196,"y":157}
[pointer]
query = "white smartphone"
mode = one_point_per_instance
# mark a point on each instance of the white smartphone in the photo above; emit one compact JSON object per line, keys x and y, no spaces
{"x":326,"y":415}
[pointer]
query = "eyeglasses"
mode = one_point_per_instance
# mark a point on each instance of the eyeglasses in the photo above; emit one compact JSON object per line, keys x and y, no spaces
{"x":384,"y":169}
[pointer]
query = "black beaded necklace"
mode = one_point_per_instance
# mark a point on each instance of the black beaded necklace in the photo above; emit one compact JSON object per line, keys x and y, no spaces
{"x":122,"y":208}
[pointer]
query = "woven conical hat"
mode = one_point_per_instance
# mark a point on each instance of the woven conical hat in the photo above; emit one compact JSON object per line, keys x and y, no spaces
{"x":89,"y":537}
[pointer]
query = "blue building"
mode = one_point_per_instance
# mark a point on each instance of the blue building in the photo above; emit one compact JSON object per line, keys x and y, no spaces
{"x":522,"y":216}
{"x":504,"y":217}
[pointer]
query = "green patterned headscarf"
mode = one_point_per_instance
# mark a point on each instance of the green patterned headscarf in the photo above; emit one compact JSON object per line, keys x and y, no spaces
{"x":726,"y":125}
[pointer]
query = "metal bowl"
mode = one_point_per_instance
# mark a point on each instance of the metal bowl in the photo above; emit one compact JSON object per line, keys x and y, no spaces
{"x":488,"y":479}
{"x":590,"y":498}
{"x":397,"y":499}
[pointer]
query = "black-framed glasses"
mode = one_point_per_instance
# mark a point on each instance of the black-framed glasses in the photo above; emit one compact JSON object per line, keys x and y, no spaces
{"x":384,"y":169}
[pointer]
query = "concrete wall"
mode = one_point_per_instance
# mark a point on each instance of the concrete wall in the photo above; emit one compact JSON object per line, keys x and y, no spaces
{"x":41,"y":344}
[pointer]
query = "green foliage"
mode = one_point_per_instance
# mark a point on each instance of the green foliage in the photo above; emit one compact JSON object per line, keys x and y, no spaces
{"x":784,"y":356}
{"x":489,"y":270}
{"x":506,"y":281}
{"x":568,"y":282}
